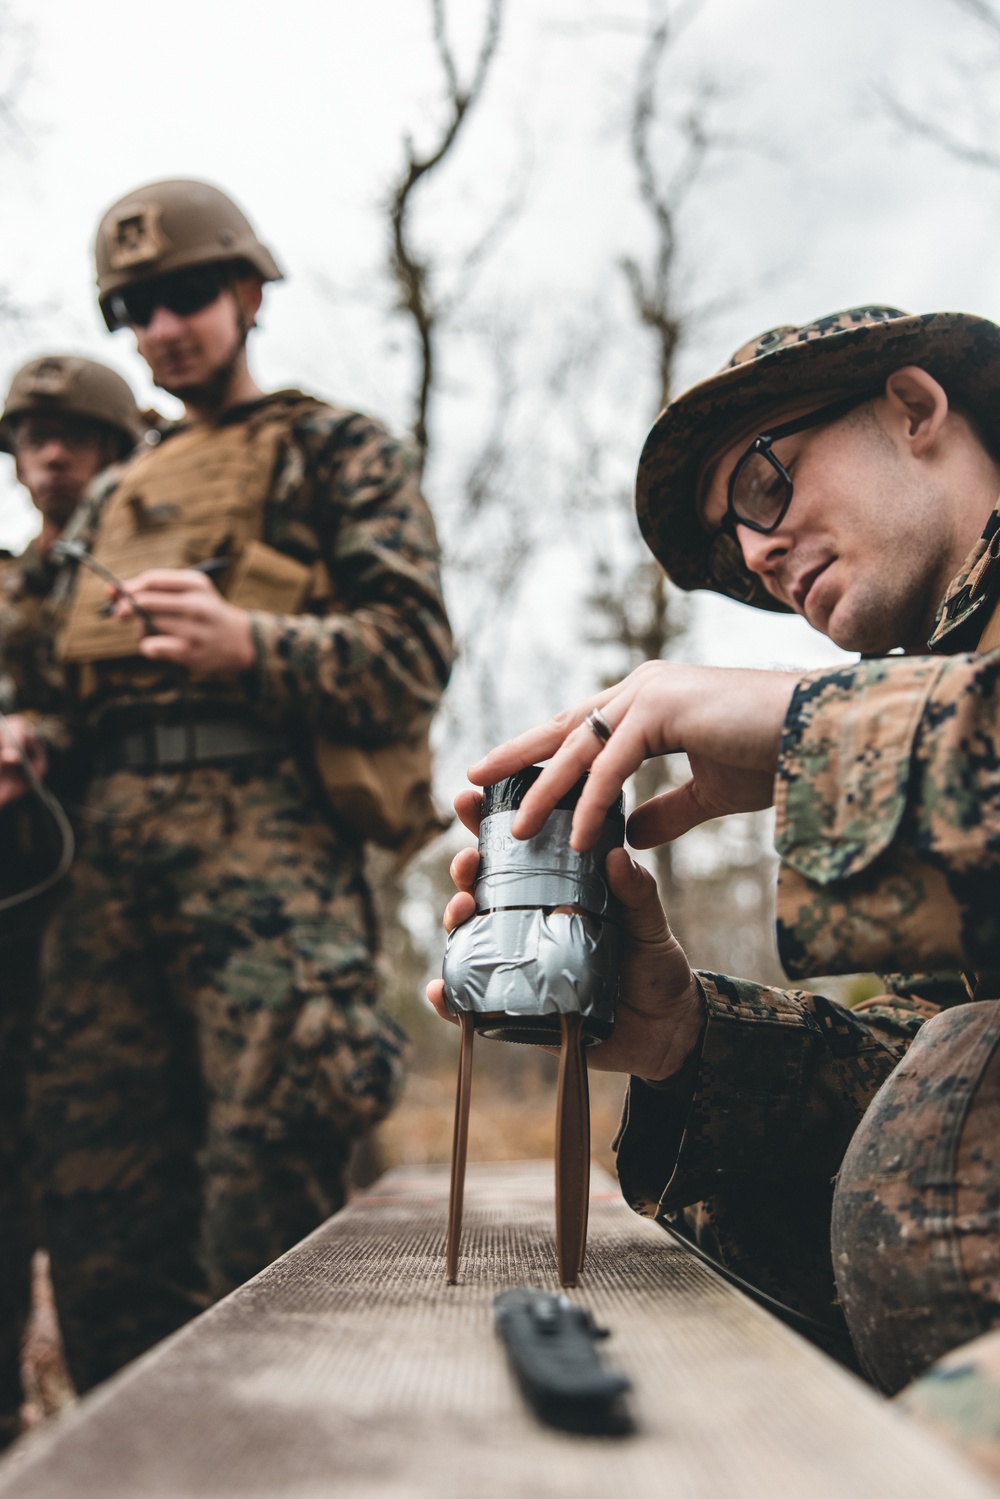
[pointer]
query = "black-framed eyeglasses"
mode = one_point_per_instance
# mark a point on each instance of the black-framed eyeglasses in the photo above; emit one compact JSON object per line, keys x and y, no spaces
{"x":182,"y":293}
{"x":760,"y":486}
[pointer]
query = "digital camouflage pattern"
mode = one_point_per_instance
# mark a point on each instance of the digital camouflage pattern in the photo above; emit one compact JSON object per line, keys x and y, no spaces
{"x":958,"y":1398}
{"x":916,"y":1216}
{"x":210,"y":1042}
{"x":374,"y":655}
{"x":888,"y":803}
{"x":209,"y":1046}
{"x":19,"y":1237}
{"x":759,"y":1119}
{"x":840,"y":354}
{"x":26,"y":671}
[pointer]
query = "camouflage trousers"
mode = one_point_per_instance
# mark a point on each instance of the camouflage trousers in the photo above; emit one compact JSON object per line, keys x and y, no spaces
{"x":209,"y":1045}
{"x":914,"y":1223}
{"x":916,"y":1212}
{"x":19,"y":963}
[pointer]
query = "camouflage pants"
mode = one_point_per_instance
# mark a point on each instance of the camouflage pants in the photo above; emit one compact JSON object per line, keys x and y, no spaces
{"x":208,"y":1047}
{"x":19,"y":962}
{"x":916,"y":1213}
{"x":897,"y":1261}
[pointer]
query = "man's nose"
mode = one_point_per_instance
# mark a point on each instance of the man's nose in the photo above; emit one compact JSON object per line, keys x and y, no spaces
{"x":163,"y":323}
{"x":55,"y":450}
{"x":763,"y":551}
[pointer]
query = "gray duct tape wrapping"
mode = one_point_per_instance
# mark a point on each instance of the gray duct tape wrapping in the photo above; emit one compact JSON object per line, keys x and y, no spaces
{"x":524,"y":953}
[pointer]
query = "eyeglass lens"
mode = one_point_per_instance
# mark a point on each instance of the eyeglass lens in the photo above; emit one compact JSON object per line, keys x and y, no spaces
{"x":183,"y":293}
{"x":760,"y":490}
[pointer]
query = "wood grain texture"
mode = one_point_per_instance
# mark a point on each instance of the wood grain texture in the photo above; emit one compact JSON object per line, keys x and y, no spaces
{"x":349,"y":1368}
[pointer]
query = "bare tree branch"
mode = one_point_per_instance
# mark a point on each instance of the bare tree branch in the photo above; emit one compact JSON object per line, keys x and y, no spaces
{"x":916,"y":124}
{"x":983,"y":11}
{"x":652,"y":288}
{"x":411,"y":272}
{"x":922,"y":125}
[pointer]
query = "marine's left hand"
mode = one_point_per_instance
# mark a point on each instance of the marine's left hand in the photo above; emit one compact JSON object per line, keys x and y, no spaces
{"x":727,"y":721}
{"x":194,"y":625}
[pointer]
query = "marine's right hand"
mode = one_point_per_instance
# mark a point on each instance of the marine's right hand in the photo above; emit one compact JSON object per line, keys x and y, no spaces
{"x":660,"y":1012}
{"x":13,"y":731}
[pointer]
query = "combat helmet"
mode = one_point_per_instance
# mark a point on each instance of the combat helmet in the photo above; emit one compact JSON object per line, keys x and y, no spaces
{"x":168,"y":226}
{"x":842,"y":354}
{"x":72,"y":386}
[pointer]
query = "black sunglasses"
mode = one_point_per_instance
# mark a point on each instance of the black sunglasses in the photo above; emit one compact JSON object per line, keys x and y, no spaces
{"x":760,"y":487}
{"x":182,"y":293}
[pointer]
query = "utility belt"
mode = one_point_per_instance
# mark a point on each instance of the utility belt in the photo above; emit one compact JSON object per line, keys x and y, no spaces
{"x":146,"y":739}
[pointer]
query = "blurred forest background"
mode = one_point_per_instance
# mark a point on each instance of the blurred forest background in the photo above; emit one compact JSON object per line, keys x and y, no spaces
{"x":515,"y":228}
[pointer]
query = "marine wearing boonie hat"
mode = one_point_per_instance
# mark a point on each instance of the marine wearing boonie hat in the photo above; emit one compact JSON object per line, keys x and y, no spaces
{"x":836,"y":355}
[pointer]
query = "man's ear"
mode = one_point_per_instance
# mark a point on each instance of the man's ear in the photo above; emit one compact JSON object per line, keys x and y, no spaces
{"x":919,"y":404}
{"x":249,"y":293}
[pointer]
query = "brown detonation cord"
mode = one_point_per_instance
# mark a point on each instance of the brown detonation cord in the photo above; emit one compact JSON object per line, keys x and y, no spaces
{"x":572,"y":1151}
{"x":459,"y":1145}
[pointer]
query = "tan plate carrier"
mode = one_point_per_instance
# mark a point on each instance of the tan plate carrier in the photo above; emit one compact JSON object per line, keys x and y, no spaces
{"x":203,"y":494}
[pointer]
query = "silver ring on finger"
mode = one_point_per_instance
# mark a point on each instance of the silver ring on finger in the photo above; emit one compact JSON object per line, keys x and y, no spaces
{"x":598,"y":724}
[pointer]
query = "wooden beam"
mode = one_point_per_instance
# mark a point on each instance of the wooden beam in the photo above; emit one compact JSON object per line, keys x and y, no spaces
{"x":349,"y":1368}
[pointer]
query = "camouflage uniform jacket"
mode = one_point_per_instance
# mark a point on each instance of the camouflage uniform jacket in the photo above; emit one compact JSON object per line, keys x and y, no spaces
{"x":370,"y":659}
{"x":888,"y":827}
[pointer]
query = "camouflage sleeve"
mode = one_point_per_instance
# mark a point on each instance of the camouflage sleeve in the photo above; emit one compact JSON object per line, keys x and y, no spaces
{"x":380,"y":657}
{"x":888,"y":805}
{"x":778,"y":1088}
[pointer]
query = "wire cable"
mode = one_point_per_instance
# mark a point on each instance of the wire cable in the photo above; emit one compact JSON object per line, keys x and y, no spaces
{"x":786,"y":1313}
{"x":55,"y":810}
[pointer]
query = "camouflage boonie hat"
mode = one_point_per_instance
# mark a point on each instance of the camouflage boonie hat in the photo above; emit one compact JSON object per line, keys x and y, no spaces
{"x":837,"y":355}
{"x":68,"y":385}
{"x":170,"y":226}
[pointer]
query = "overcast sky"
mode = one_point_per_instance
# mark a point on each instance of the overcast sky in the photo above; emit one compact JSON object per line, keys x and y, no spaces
{"x":300,"y":109}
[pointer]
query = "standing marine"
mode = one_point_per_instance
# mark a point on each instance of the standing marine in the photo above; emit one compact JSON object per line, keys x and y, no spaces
{"x":64,"y":420}
{"x":253,"y":702}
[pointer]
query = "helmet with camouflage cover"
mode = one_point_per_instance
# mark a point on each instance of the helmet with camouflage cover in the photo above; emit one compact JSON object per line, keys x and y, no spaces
{"x":839,"y":355}
{"x":167,"y":227}
{"x":68,"y":385}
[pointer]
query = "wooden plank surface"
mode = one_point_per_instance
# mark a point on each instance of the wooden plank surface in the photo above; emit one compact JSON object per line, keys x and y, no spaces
{"x":348,"y":1368}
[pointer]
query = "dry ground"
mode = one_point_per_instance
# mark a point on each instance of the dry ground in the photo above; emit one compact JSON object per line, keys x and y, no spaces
{"x":511,"y":1119}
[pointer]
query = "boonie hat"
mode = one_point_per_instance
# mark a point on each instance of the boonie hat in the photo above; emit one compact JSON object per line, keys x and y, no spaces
{"x":836,"y":355}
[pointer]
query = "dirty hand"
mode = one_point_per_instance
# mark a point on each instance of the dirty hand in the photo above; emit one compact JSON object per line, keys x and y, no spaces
{"x":660,"y":1009}
{"x":727,"y":721}
{"x":193,"y":624}
{"x":13,"y":782}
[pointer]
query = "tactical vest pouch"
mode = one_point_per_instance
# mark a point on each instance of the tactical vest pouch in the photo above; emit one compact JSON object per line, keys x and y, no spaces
{"x":264,"y":578}
{"x":200,"y":494}
{"x":381,"y":794}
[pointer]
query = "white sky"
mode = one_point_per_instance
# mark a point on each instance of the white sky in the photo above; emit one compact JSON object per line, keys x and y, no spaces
{"x":299,"y":111}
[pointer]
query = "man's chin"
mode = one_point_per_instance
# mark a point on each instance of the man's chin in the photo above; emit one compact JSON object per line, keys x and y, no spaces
{"x":872,"y":635}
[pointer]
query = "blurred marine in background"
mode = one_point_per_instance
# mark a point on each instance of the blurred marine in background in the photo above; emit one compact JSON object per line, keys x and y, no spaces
{"x":253,"y":701}
{"x":64,"y":420}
